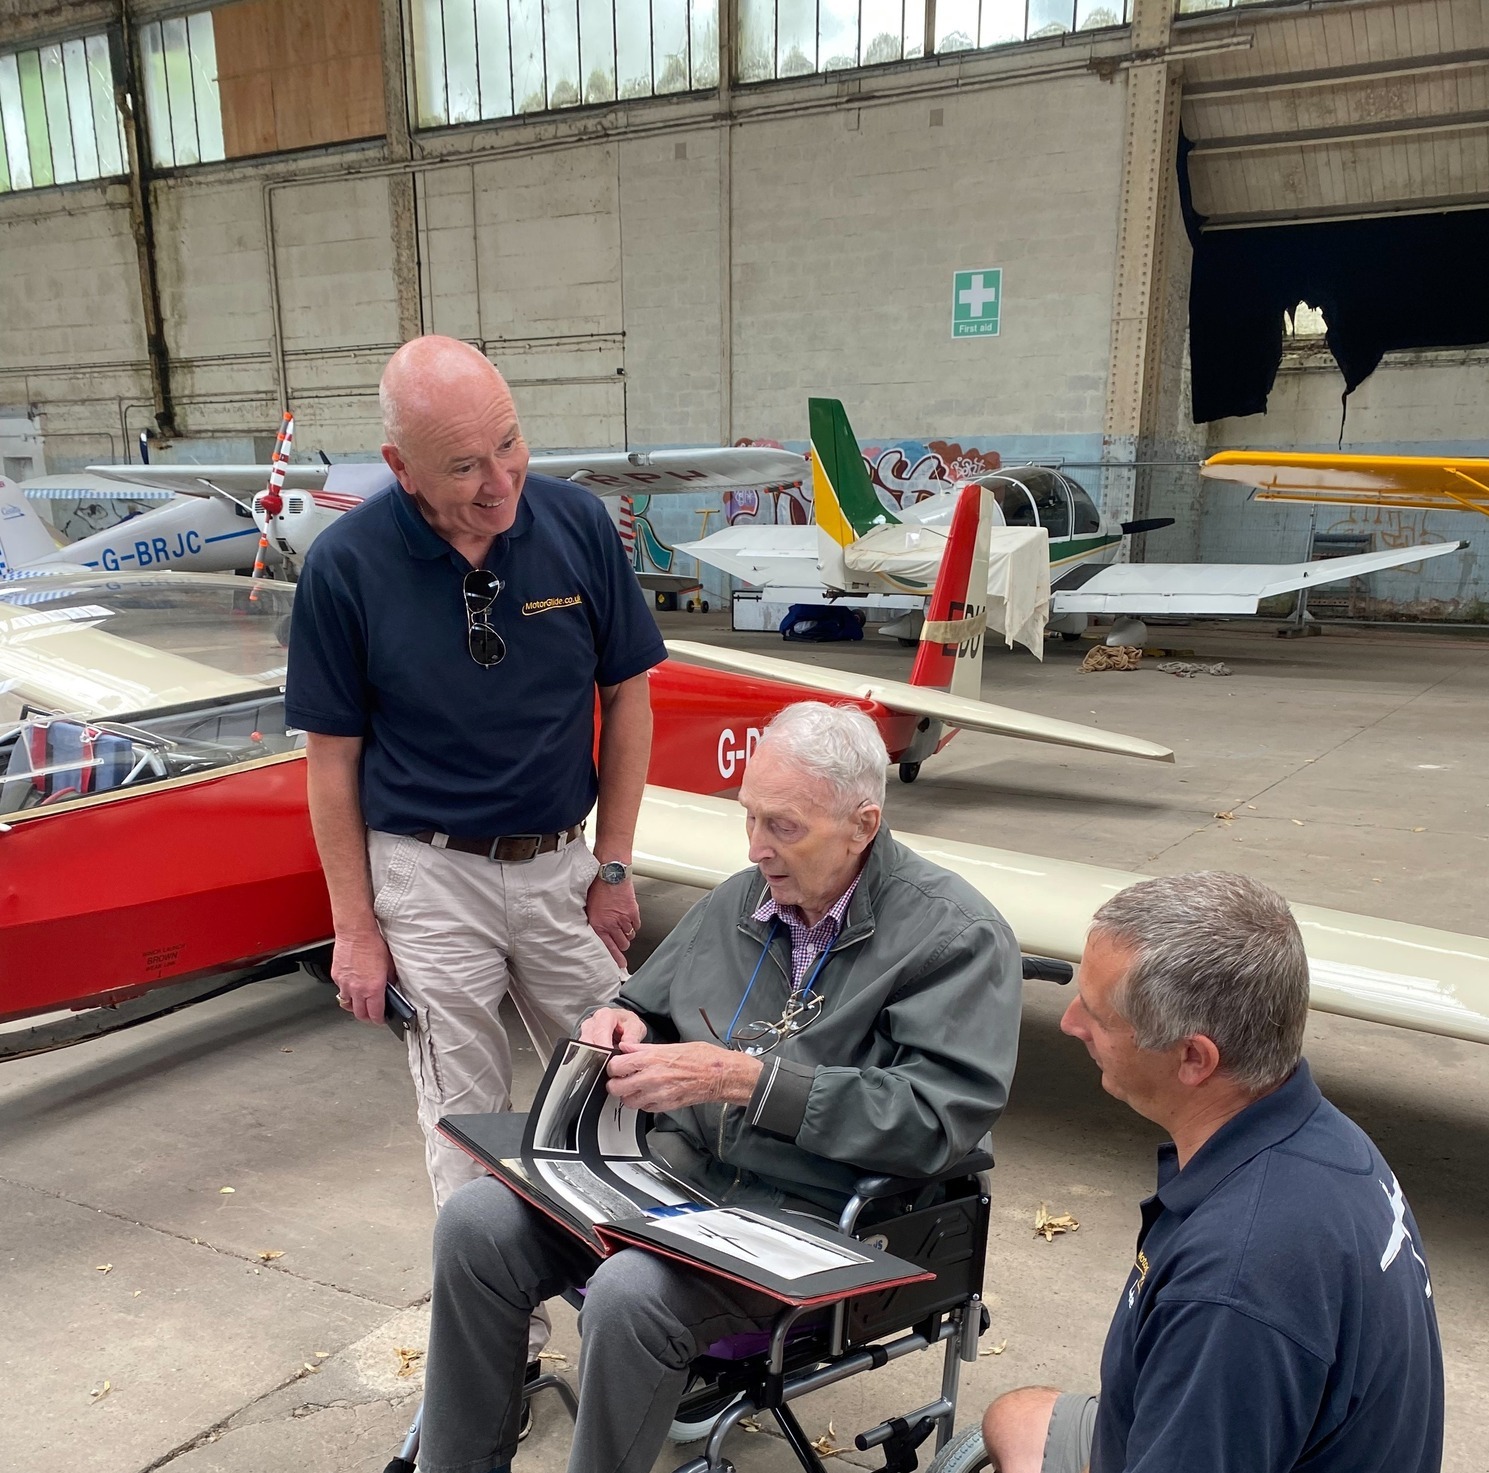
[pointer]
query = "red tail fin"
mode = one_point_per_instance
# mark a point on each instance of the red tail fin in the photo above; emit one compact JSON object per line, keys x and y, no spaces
{"x":950,"y":653}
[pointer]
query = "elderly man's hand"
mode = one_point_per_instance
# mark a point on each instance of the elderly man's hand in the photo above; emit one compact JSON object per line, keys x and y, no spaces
{"x":671,"y":1076}
{"x":614,"y":916}
{"x":611,"y":1027}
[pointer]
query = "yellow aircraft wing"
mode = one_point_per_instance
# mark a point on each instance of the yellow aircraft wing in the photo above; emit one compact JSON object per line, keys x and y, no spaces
{"x":1409,"y":482}
{"x":1382,"y":971}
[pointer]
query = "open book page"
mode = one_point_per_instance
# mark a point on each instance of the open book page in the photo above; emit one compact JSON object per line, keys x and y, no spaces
{"x":775,"y":1247}
{"x":573,"y":1090}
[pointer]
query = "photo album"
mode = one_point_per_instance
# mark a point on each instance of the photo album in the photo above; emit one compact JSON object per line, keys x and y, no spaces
{"x":580,"y":1157}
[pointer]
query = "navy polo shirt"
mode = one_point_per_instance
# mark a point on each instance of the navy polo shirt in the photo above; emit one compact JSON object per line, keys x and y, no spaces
{"x":1279,"y":1314}
{"x":378,"y":651}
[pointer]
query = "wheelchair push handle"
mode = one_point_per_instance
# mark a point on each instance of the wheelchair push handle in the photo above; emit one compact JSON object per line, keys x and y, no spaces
{"x":1047,"y":969}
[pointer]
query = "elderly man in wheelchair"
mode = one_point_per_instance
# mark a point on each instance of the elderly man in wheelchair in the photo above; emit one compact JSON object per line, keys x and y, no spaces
{"x":832,"y":1031}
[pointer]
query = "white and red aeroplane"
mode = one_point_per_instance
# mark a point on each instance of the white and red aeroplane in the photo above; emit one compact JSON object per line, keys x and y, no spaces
{"x":214,"y":515}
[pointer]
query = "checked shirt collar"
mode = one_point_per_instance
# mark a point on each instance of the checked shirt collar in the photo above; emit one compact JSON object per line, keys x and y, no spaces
{"x":807,"y":942}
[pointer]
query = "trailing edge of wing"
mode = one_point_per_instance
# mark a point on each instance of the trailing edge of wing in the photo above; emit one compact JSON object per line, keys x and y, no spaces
{"x":1361,"y":967}
{"x":1224,"y":588}
{"x":918,"y":700}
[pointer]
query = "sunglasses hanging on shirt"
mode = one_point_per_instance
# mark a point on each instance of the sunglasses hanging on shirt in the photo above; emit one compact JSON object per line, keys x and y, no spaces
{"x":486,"y":646}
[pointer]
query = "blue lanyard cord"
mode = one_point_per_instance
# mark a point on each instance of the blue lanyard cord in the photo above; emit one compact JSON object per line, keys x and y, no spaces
{"x":806,"y":991}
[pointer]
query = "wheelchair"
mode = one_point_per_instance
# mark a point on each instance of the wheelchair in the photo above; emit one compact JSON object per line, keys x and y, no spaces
{"x":939,"y":1223}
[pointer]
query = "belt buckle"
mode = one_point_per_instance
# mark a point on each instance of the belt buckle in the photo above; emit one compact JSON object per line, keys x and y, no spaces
{"x":535,"y":839}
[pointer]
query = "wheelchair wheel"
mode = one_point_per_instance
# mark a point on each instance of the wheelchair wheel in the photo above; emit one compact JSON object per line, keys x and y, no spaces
{"x":963,"y":1454}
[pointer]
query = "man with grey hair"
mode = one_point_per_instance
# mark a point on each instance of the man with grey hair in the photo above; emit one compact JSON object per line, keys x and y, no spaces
{"x":841,"y":1007}
{"x":1279,"y":1314}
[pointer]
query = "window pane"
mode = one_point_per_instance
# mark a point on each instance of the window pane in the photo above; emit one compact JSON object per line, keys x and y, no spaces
{"x":561,"y":44}
{"x":1002,"y":22}
{"x":796,"y":37}
{"x":1091,"y":15}
{"x":59,"y":123}
{"x":38,"y":139}
{"x":177,"y":55}
{"x":956,"y":25}
{"x":80,"y":109}
{"x":633,"y":47}
{"x":669,"y":42}
{"x":528,"y":88}
{"x":597,"y":50}
{"x":1194,"y":7}
{"x":837,"y":34}
{"x":460,"y":62}
{"x":13,"y":116}
{"x":914,"y":28}
{"x":203,"y":46}
{"x":1049,"y":17}
{"x":756,"y":57}
{"x":883,"y":21}
{"x":430,"y":107}
{"x":704,"y":20}
{"x":105,"y":116}
{"x":493,"y":59}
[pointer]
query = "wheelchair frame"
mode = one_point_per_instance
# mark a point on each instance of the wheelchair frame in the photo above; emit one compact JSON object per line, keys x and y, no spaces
{"x":849,"y":1341}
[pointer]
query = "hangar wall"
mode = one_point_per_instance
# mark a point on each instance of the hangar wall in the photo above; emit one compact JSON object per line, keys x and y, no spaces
{"x":572,"y":259}
{"x":690,"y":269}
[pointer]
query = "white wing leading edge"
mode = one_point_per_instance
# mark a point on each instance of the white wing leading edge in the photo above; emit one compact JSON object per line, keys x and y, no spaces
{"x":1362,"y":967}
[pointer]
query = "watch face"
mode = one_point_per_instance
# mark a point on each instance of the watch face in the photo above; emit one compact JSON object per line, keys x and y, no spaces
{"x":613,"y":872}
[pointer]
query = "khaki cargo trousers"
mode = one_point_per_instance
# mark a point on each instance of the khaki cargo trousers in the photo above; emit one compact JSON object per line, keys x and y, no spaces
{"x":465,"y":931}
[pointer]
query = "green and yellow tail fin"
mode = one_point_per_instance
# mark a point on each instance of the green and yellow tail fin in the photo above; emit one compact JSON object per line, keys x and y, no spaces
{"x":846,"y":503}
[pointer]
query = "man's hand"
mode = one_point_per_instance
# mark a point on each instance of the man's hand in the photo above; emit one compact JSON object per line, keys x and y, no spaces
{"x":671,"y":1076}
{"x":613,"y":916}
{"x":611,"y":1027}
{"x":361,"y":967}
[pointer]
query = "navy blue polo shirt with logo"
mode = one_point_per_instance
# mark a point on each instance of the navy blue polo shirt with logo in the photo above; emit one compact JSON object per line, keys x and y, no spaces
{"x":378,"y":650}
{"x":1279,"y":1315}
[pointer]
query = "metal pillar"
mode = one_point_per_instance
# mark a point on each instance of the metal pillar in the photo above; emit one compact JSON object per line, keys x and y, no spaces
{"x":1150,"y":141}
{"x":402,"y":203}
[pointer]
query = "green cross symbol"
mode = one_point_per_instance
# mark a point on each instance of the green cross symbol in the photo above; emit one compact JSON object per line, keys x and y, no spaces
{"x":976,"y":298}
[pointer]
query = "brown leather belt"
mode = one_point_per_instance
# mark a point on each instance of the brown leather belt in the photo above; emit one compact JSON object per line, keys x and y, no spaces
{"x":508,"y":849}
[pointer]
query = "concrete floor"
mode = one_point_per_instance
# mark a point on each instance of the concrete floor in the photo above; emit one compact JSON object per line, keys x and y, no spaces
{"x":1349,"y":762}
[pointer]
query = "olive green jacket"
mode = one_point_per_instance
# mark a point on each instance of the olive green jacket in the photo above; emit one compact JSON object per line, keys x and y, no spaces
{"x":904,"y":1070}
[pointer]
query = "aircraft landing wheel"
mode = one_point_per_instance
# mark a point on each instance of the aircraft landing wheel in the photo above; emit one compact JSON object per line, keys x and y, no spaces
{"x":906,"y":644}
{"x":1070,"y":637}
{"x":703,"y":607}
{"x":282,"y":632}
{"x":909,"y":771}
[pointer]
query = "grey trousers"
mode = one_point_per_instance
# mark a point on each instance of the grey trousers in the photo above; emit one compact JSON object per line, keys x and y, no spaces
{"x":644,"y":1320}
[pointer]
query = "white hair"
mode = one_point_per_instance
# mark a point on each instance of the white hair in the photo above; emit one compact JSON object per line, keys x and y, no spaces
{"x":838,"y":744}
{"x":1218,"y":954}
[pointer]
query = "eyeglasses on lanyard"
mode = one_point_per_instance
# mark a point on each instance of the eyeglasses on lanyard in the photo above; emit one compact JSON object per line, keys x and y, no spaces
{"x":803,"y":1007}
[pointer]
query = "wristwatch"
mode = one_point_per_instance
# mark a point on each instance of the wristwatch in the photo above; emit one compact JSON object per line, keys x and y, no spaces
{"x":614,"y":872}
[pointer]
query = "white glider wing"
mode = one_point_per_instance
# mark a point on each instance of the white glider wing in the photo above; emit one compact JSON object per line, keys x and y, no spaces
{"x":920,"y":700}
{"x":605,"y":472}
{"x":664,"y":472}
{"x":240,"y":482}
{"x":1216,"y":588}
{"x":1382,"y":971}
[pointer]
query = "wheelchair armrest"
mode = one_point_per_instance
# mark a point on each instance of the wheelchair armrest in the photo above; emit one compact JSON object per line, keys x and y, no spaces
{"x":877,"y":1188}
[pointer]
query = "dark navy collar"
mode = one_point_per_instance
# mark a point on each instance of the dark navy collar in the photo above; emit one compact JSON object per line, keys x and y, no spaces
{"x":424,"y":542}
{"x":1262,"y":1124}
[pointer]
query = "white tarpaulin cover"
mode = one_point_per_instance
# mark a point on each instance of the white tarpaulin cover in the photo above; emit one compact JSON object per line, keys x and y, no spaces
{"x":1018,"y":591}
